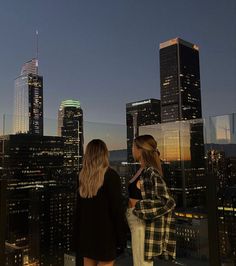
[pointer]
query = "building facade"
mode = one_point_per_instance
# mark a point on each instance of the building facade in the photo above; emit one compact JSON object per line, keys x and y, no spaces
{"x":140,"y":113}
{"x":3,"y":184}
{"x":179,"y":81}
{"x":70,"y":126}
{"x":28,"y":100}
{"x":192,"y":234}
{"x":221,"y":207}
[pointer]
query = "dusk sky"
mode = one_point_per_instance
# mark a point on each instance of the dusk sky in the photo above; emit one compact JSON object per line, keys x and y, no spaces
{"x":105,"y":53}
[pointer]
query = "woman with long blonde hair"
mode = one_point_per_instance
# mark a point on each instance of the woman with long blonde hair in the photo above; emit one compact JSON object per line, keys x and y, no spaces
{"x":100,"y":218}
{"x":150,"y":212}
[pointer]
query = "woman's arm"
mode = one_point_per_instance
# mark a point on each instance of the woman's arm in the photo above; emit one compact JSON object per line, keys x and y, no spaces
{"x":152,"y":209}
{"x":157,"y":201}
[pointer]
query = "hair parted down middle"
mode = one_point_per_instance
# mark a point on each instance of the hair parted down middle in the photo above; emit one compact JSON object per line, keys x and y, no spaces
{"x":95,"y":164}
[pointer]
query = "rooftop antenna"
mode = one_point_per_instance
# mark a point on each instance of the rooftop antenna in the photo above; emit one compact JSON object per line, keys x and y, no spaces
{"x":37,"y":50}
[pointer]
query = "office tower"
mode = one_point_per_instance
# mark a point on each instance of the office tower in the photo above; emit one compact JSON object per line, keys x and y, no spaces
{"x":28,"y":102}
{"x":40,"y":197}
{"x":180,"y":81}
{"x":183,"y":141}
{"x":2,"y":217}
{"x":221,"y":208}
{"x":140,"y":113}
{"x":227,"y":224}
{"x":70,"y":126}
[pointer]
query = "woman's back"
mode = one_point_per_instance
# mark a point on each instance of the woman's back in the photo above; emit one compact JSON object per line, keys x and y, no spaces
{"x":100,"y":220}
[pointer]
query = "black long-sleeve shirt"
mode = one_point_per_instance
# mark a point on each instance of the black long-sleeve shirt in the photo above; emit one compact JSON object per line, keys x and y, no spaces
{"x":100,"y":225}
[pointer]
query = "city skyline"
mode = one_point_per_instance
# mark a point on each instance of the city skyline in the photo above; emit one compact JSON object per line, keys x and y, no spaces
{"x":106,"y":61}
{"x":81,"y":55}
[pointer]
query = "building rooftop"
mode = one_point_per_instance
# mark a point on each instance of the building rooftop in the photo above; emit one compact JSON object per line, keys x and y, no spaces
{"x":178,"y":41}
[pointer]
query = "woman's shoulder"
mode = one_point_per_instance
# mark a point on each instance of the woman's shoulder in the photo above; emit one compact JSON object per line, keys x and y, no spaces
{"x":111,"y":172}
{"x":151,"y":171}
{"x":150,"y":174}
{"x":111,"y":175}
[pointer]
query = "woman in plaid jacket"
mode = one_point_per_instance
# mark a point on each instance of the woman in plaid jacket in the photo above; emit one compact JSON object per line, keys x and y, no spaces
{"x":150,"y":212}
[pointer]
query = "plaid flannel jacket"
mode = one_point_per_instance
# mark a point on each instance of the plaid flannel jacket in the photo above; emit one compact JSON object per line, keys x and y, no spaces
{"x":156,"y":208}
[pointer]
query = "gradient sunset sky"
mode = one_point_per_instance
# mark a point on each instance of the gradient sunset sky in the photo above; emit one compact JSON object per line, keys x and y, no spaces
{"x":105,"y":53}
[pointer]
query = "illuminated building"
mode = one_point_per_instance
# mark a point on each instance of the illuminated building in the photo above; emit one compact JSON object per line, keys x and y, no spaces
{"x":221,"y":208}
{"x":2,"y":217}
{"x":227,"y":224}
{"x":14,"y":255}
{"x":40,"y":197}
{"x":70,"y":126}
{"x":140,"y":113}
{"x":180,"y":81}
{"x":28,"y":105}
{"x":192,"y":234}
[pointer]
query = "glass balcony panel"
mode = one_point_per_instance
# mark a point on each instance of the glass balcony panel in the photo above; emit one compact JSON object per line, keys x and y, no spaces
{"x":39,"y":179}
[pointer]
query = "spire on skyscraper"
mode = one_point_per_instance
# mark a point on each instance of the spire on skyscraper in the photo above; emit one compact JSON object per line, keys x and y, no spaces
{"x":31,"y":66}
{"x":37,"y":50}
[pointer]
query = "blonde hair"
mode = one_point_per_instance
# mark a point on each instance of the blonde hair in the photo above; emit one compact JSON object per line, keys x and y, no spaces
{"x":95,"y":164}
{"x":149,"y":152}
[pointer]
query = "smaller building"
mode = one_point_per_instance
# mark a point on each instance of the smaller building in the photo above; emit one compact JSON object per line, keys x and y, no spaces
{"x":227,"y":224}
{"x":192,"y":234}
{"x":14,"y":255}
{"x":140,"y":113}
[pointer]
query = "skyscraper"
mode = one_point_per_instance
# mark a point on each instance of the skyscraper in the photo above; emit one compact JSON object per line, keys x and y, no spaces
{"x":28,"y":106}
{"x":221,"y":192}
{"x":141,"y":113}
{"x":180,"y":81}
{"x":70,"y":126}
{"x":181,"y":101}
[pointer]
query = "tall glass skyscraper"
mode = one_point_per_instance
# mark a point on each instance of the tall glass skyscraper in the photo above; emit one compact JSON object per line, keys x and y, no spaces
{"x":28,"y":106}
{"x":70,"y":126}
{"x":181,"y":101}
{"x":180,"y":81}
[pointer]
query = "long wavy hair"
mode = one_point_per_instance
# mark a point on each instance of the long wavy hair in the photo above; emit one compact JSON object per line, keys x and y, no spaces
{"x":95,"y":164}
{"x":149,"y":152}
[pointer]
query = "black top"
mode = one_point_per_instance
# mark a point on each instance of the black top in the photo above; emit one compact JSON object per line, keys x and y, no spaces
{"x":100,"y":226}
{"x":134,"y":191}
